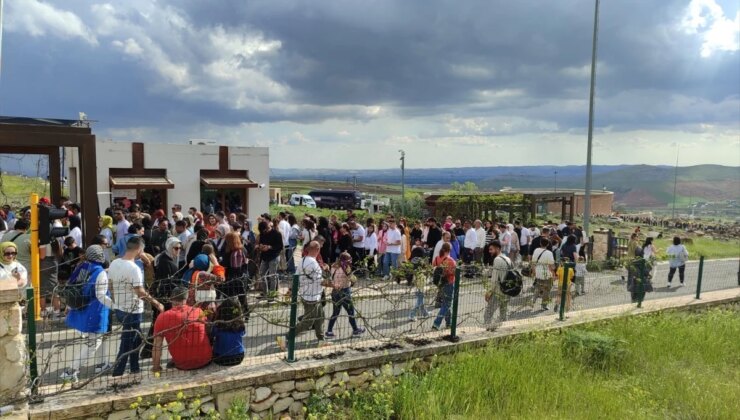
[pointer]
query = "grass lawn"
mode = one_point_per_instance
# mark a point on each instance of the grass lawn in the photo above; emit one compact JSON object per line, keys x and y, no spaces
{"x":709,"y":248}
{"x":675,"y":365}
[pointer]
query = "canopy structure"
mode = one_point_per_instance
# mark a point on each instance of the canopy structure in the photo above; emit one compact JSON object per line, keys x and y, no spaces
{"x":227,"y":182}
{"x":141,"y":182}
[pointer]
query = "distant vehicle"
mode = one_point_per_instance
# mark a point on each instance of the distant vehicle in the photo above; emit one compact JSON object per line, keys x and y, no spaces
{"x":337,"y":199}
{"x":614,"y":219}
{"x":302,"y":200}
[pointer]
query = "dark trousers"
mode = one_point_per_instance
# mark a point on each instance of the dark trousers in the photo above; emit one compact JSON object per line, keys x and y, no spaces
{"x":358,"y":254}
{"x":468,"y":255}
{"x":342,"y":299}
{"x":313,"y":317}
{"x":672,"y":271}
{"x":128,"y":352}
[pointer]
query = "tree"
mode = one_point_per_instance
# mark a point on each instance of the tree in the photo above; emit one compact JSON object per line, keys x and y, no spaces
{"x":468,"y":186}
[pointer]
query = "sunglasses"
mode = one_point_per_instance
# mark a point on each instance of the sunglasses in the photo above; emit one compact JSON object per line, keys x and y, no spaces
{"x":177,"y":247}
{"x":10,"y":254}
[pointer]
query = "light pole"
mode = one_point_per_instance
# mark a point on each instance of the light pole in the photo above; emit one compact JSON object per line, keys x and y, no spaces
{"x":556,"y":181}
{"x":403,"y":184}
{"x":587,"y":201}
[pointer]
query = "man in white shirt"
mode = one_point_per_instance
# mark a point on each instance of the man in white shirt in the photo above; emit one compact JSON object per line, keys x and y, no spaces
{"x":127,"y":286}
{"x":505,"y":238}
{"x":481,"y":235}
{"x":284,"y":228}
{"x":309,"y":290}
{"x":393,"y":248}
{"x":446,"y":237}
{"x":183,"y":234}
{"x":470,"y":243}
{"x":494,"y":296}
{"x":544,"y":261}
{"x":121,"y":224}
{"x":524,"y":239}
{"x":358,"y":242}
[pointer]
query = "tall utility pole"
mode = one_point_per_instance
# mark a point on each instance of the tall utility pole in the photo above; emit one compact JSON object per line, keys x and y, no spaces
{"x":403,"y":183}
{"x":675,"y":183}
{"x":587,"y":203}
{"x":556,"y":181}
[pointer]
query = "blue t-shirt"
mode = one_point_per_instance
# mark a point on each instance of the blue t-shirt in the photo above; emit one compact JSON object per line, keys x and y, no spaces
{"x":227,"y":343}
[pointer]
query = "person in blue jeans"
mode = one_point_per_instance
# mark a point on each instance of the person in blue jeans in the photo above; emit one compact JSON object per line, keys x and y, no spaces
{"x":393,"y":248}
{"x":448,"y":277}
{"x":127,"y":284}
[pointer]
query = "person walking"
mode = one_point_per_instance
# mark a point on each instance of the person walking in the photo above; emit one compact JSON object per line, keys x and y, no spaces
{"x":270,"y":246}
{"x":448,"y":267}
{"x":341,"y":294}
{"x":677,"y":257}
{"x":310,"y":289}
{"x":495,"y":298}
{"x":129,"y":294}
{"x":544,"y":263}
{"x":92,"y":319}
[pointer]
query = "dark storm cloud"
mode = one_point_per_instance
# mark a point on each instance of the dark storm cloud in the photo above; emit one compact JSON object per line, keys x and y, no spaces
{"x":418,"y":58}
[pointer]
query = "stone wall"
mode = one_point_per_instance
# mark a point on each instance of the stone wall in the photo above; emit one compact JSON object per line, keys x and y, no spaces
{"x":12,"y":346}
{"x":277,"y":400}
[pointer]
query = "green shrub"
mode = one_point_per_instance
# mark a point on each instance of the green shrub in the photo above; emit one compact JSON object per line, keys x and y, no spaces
{"x":595,"y":350}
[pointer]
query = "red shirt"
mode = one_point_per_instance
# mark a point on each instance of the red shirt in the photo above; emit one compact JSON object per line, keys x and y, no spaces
{"x":184,"y":329}
{"x":449,"y":267}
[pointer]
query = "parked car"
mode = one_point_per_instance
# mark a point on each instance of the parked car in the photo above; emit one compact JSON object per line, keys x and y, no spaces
{"x":614,"y":219}
{"x":302,"y":200}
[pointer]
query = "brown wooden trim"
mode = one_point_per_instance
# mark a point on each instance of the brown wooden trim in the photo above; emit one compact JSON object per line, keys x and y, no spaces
{"x":31,"y":128}
{"x":223,"y":158}
{"x":137,"y":156}
{"x":136,"y":172}
{"x":12,"y":138}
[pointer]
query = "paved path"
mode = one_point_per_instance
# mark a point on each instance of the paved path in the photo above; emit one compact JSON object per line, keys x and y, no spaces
{"x":384,"y":309}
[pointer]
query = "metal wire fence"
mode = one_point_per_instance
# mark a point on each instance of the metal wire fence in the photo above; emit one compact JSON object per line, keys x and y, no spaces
{"x":293,"y":317}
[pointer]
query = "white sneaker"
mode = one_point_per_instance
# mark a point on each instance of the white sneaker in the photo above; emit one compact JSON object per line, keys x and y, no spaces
{"x":103,"y":367}
{"x":669,"y":286}
{"x":69,"y":375}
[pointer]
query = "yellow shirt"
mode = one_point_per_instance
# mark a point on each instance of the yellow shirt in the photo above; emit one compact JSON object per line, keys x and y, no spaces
{"x":560,"y":274}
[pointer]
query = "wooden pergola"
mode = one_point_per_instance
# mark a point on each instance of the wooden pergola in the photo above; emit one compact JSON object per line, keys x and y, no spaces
{"x":472,"y":207}
{"x":38,"y":136}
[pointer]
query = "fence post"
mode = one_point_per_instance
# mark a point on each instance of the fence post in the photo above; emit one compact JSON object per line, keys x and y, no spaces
{"x":455,"y":299}
{"x":698,"y":278}
{"x":642,"y":276}
{"x":293,"y":319}
{"x":31,"y":318}
{"x":564,"y":288}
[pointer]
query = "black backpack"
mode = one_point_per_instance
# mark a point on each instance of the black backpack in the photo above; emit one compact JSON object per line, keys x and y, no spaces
{"x":511,"y":284}
{"x":73,"y":294}
{"x":438,"y":276}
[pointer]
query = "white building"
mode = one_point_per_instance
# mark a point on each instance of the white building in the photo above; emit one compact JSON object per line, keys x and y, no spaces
{"x":159,"y":175}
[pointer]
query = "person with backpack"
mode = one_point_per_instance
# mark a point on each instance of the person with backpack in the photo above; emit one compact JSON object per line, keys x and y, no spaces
{"x":444,"y":268}
{"x":544,"y":262}
{"x":341,"y":294}
{"x":88,"y":299}
{"x":495,"y":297}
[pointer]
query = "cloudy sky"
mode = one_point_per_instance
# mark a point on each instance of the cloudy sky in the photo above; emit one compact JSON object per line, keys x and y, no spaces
{"x":346,"y":84}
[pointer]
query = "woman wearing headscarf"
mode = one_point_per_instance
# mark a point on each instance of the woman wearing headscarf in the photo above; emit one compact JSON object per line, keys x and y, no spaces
{"x":92,"y":319}
{"x":200,"y":282}
{"x":219,"y":242}
{"x":106,"y":229}
{"x":235,"y":263}
{"x":10,"y":268}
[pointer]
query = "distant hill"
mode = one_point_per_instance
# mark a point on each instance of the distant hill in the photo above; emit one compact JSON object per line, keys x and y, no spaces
{"x":635,"y":186}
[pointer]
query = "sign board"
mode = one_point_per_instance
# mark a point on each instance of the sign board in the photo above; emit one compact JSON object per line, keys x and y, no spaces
{"x":124,"y":193}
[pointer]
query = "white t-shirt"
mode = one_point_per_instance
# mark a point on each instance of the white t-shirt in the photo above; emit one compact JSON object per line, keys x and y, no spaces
{"x":677,"y":255}
{"x":393,"y":235}
{"x":310,"y":287}
{"x":356,"y":234}
{"x":481,"y":234}
{"x":524,"y":237}
{"x":76,"y":233}
{"x":284,"y":228}
{"x":124,"y":275}
{"x":542,"y":257}
{"x":505,"y":238}
{"x":471,"y":239}
{"x":371,"y":242}
{"x":121,"y":229}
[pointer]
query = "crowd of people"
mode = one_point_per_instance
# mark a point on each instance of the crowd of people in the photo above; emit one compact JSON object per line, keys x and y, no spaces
{"x":195,"y":270}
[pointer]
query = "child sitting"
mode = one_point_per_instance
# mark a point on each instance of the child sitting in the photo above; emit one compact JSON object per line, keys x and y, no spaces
{"x":227,"y":334}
